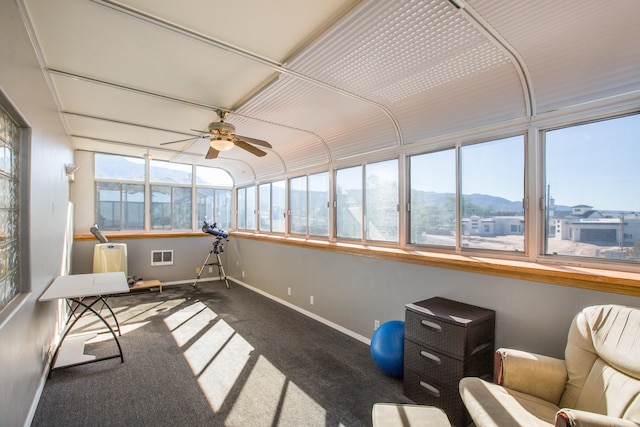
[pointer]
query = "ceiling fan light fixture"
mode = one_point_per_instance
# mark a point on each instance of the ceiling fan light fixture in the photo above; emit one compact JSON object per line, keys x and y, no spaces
{"x":221,"y":144}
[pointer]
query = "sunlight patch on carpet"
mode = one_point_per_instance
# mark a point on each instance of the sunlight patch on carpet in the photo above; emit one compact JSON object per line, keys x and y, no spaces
{"x":188,"y":322}
{"x":204,"y":350}
{"x":217,"y":380}
{"x":260,"y":399}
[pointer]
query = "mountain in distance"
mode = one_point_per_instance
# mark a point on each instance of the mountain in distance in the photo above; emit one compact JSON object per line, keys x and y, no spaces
{"x":498,"y":204}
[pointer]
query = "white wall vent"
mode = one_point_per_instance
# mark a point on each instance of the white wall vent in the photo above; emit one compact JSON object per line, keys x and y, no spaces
{"x":162,"y":257}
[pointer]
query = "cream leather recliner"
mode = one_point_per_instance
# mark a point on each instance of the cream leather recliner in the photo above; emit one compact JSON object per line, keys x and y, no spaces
{"x":598,"y":383}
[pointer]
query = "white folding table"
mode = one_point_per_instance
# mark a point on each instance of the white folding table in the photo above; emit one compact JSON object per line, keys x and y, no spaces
{"x":74,"y":288}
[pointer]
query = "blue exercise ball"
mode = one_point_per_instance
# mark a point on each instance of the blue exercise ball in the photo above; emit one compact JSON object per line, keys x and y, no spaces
{"x":387,"y":347}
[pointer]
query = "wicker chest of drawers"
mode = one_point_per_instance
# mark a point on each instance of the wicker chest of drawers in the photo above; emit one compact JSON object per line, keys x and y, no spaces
{"x":446,"y":340}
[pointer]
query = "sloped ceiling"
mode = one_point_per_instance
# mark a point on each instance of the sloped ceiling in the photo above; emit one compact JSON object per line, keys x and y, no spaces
{"x":321,"y":81}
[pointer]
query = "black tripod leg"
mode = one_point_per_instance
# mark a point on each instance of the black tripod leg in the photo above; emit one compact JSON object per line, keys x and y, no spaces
{"x":206,"y":260}
{"x":221,"y":273}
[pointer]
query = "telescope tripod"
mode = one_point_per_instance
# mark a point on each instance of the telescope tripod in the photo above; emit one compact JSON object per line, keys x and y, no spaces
{"x":216,"y":249}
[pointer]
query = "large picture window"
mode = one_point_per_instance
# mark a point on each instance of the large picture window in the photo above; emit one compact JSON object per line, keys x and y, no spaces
{"x":592,"y":177}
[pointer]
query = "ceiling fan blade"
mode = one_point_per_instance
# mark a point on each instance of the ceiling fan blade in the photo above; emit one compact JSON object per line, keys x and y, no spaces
{"x":205,"y":132}
{"x":180,"y":140}
{"x":212,"y":153}
{"x":250,"y":148}
{"x":255,"y":141}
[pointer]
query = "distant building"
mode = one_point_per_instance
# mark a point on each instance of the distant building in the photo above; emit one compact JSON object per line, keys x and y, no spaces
{"x":493,"y":226}
{"x":587,"y":225}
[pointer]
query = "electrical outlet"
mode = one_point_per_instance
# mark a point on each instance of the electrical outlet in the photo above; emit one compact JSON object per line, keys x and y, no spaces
{"x":210,"y":269}
{"x":242,"y":273}
{"x":288,"y":291}
{"x":311,"y":300}
{"x":376,"y":324}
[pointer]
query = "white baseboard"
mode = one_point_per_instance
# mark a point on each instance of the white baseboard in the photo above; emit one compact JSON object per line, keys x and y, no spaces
{"x":314,"y":316}
{"x":36,"y":397}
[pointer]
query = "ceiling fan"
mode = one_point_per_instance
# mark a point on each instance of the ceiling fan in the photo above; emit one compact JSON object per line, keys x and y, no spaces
{"x":222,"y":137}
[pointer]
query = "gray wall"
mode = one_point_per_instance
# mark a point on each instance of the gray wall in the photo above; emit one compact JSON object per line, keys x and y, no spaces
{"x":353,"y":291}
{"x":27,"y":331}
{"x":189,"y":254}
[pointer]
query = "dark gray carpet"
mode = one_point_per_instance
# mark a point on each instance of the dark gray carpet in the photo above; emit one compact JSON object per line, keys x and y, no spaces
{"x":211,"y":356}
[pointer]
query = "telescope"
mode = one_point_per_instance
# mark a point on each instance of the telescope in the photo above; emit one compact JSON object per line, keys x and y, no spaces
{"x":217,"y":247}
{"x":214,"y":230}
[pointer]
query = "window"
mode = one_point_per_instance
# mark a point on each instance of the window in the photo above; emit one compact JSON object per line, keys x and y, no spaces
{"x":10,"y":192}
{"x":592,"y":208}
{"x":492,"y":191}
{"x":213,"y":177}
{"x":309,"y":204}
{"x":298,"y":205}
{"x":381,"y":201}
{"x":272,"y":207}
{"x":377,"y":208}
{"x":213,"y":204}
{"x":119,"y":205}
{"x":278,"y":207}
{"x":171,"y":203}
{"x":264,"y":211}
{"x":247,"y":208}
{"x":223,"y":208}
{"x":170,"y":208}
{"x":318,"y":200}
{"x":242,"y":208}
{"x":491,"y":180}
{"x":170,"y":173}
{"x":433,"y":199}
{"x":349,"y":203}
{"x":121,"y":168}
{"x":250,"y":208}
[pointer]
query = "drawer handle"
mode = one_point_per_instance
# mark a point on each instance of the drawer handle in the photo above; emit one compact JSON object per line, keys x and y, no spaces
{"x":479,"y":348}
{"x":431,"y":325}
{"x":430,"y":356}
{"x":429,"y":388}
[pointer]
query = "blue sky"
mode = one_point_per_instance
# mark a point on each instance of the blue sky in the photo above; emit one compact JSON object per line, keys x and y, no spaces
{"x":596,"y":164}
